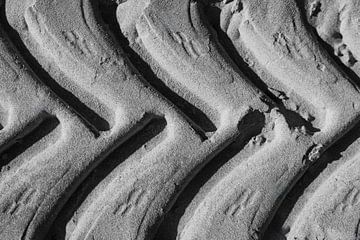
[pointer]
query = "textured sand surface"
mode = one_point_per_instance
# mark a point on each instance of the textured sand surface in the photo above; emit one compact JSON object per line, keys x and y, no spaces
{"x":179,"y":119}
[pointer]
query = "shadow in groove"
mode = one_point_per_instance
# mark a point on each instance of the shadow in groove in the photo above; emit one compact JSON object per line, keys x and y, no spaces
{"x":331,"y":155}
{"x":3,"y":117}
{"x":251,"y":125}
{"x":94,"y":122}
{"x":292,"y":117}
{"x":29,"y":136}
{"x":202,"y":122}
{"x":354,"y":78}
{"x":154,"y":128}
{"x":168,"y":229}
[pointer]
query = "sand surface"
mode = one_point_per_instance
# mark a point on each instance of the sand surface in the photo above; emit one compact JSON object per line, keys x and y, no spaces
{"x":179,"y":119}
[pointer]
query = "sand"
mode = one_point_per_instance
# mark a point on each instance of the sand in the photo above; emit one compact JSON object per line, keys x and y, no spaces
{"x":179,"y":119}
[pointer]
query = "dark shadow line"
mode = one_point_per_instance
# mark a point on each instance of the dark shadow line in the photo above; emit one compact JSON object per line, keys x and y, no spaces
{"x":31,"y":134}
{"x":194,"y":114}
{"x":168,"y":228}
{"x":232,"y":52}
{"x":331,"y":155}
{"x":251,"y":125}
{"x":90,"y":118}
{"x":346,"y":71}
{"x":152,"y":129}
{"x":293,"y":118}
{"x":3,"y":117}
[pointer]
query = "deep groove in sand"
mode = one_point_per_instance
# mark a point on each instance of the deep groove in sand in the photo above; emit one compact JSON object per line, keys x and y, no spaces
{"x":91,"y":119}
{"x":329,"y":50}
{"x":331,"y":155}
{"x":252,"y":124}
{"x":153,"y":129}
{"x":37,"y":130}
{"x":226,"y":43}
{"x":294,"y":119}
{"x":198,"y":119}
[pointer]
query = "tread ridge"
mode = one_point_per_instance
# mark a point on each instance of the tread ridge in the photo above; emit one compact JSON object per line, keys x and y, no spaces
{"x":171,"y":81}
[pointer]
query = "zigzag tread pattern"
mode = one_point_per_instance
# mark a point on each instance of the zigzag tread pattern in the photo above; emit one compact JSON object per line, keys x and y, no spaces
{"x":179,"y":119}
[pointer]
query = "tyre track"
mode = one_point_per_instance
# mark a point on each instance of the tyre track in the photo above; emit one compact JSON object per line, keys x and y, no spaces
{"x":87,"y":229}
{"x":328,"y":135}
{"x":315,"y":225}
{"x":94,"y":122}
{"x":138,"y":145}
{"x":168,"y":228}
{"x":26,"y":222}
{"x":20,"y":144}
{"x":338,"y":154}
{"x":88,"y":57}
{"x":341,"y":193}
{"x":84,"y":228}
{"x":40,"y":99}
{"x":160,"y":29}
{"x":196,"y":115}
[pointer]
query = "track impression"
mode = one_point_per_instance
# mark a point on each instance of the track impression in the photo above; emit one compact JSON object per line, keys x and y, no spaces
{"x":110,"y":111}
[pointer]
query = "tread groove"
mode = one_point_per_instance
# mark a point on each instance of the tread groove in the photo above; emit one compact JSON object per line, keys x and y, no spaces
{"x":198,"y":119}
{"x":253,"y":108}
{"x":331,"y":155}
{"x":153,"y":129}
{"x":91,"y":119}
{"x":43,"y":126}
{"x":167,"y":229}
{"x":294,"y":119}
{"x":354,"y":78}
{"x":212,"y":14}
